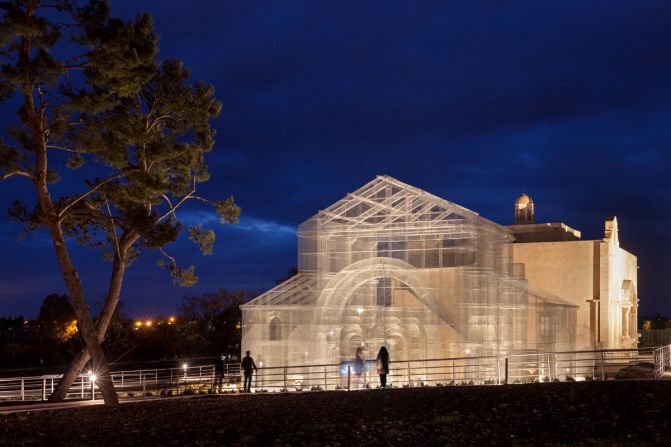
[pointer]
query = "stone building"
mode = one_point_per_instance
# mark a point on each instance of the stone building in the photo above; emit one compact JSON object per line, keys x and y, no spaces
{"x":392,"y":265}
{"x":597,"y":276}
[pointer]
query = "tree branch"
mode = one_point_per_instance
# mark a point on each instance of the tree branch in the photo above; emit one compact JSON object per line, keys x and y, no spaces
{"x":116,"y":236}
{"x":76,"y":66}
{"x":165,"y":197}
{"x":183,"y":199}
{"x":50,"y":146}
{"x":173,"y":260}
{"x":17,"y":172}
{"x":156,"y":121}
{"x":88,"y":193}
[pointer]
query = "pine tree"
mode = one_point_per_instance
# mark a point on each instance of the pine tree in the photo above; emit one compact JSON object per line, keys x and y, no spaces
{"x":134,"y":125}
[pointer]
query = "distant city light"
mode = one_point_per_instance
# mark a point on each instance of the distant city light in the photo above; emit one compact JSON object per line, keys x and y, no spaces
{"x":93,"y":377}
{"x":148,"y":323}
{"x":468,"y":351}
{"x":138,"y":323}
{"x":185,"y":366}
{"x":359,"y":311}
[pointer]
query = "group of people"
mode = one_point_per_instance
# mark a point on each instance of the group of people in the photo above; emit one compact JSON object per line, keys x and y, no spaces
{"x":382,"y":366}
{"x":247,"y":366}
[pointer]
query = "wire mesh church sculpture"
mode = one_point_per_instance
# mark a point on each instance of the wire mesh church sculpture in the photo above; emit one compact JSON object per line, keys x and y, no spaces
{"x":392,"y":265}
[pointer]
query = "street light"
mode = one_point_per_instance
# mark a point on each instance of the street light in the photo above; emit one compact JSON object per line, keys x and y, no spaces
{"x":468,"y":351}
{"x":92,"y":379}
{"x":185,"y":367}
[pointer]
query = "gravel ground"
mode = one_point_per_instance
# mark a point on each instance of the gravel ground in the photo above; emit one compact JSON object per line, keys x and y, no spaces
{"x":618,"y":413}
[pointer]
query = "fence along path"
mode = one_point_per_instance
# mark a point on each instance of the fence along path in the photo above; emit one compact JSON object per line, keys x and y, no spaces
{"x":137,"y":381}
{"x":468,"y":370}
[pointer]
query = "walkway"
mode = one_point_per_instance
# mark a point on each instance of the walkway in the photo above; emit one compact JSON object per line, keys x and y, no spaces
{"x":46,"y":406}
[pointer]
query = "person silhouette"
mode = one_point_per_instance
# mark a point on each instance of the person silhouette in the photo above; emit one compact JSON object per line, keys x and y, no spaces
{"x":359,"y":365}
{"x":383,"y":365}
{"x":218,"y":373}
{"x":248,"y":367}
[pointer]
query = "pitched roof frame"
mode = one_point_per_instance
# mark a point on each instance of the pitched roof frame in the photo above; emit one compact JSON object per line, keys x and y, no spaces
{"x":381,"y":198}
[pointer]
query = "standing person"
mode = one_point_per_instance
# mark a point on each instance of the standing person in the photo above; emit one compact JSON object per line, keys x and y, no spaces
{"x":218,"y":372}
{"x":359,"y":365}
{"x":248,"y":367}
{"x":383,"y":365}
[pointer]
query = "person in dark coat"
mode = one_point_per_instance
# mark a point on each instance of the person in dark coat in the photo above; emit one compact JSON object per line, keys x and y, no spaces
{"x":219,"y":372}
{"x":383,"y":365}
{"x":248,"y":367}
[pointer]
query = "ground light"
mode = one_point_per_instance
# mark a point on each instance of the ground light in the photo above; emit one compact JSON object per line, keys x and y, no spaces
{"x":185,"y":367}
{"x":92,"y":379}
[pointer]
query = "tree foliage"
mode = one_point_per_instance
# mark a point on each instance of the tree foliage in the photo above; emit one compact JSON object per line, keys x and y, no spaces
{"x":213,"y":320}
{"x":57,"y":320}
{"x":95,"y":98}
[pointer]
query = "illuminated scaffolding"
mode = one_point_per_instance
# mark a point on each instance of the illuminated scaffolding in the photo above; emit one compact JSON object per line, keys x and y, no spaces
{"x":392,"y":265}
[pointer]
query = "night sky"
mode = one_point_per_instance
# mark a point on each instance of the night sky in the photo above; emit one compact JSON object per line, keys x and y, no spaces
{"x":474,"y":101}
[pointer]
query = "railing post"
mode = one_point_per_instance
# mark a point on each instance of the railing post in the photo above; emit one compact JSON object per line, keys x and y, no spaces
{"x":325,"y":379}
{"x":52,"y":385}
{"x":454,"y":377}
{"x":349,"y":377}
{"x":44,"y":388}
{"x":498,"y":369}
{"x":285,"y":377}
{"x":93,"y":390}
{"x":23,"y":395}
{"x":256,"y":380}
{"x":505,"y":381}
{"x":143,"y":381}
{"x":408,"y":369}
{"x":603,"y":374}
{"x":82,"y":379}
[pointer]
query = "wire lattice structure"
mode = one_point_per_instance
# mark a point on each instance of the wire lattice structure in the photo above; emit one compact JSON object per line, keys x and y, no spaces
{"x":392,"y":265}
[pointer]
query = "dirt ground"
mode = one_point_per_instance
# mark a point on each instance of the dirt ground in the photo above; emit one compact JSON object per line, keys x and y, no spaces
{"x":621,"y":413}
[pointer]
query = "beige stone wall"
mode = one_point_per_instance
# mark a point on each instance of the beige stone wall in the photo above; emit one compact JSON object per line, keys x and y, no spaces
{"x":619,"y":293}
{"x":578,"y":271}
{"x":564,"y":269}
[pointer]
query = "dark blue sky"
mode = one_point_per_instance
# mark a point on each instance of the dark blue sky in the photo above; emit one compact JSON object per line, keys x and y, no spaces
{"x":474,"y":101}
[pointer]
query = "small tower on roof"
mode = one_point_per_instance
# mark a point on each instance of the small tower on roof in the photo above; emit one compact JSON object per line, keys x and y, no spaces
{"x":524,"y":210}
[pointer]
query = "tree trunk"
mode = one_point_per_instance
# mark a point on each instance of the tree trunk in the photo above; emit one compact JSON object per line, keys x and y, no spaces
{"x":68,"y":271}
{"x":111,"y":300}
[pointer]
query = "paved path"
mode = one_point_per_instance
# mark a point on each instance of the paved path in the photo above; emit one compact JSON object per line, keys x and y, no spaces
{"x":45,"y":406}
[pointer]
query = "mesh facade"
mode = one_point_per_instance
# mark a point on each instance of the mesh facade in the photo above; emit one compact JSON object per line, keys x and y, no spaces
{"x":392,"y":265}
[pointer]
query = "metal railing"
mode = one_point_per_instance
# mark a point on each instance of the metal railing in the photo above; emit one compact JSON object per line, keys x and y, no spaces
{"x":662,"y":360}
{"x":655,"y":337}
{"x":517,"y":368}
{"x":138,"y":381}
